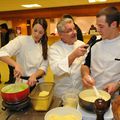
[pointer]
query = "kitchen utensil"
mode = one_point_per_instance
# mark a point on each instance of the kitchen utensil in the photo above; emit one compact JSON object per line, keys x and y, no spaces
{"x":87,"y":98}
{"x":11,"y":94}
{"x":100,"y":108}
{"x":27,"y":77}
{"x":16,"y":106}
{"x":94,"y":88}
{"x":41,"y":96}
{"x":25,"y":80}
{"x":96,"y":92}
{"x":70,"y":99}
{"x":64,"y":113}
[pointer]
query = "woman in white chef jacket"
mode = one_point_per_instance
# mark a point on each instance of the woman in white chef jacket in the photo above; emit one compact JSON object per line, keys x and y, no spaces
{"x":65,"y":58}
{"x":30,"y":52}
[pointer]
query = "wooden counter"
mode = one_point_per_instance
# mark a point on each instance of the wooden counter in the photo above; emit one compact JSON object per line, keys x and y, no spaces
{"x":27,"y":114}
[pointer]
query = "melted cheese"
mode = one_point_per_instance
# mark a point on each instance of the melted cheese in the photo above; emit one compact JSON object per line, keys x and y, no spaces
{"x":63,"y":117}
{"x":93,"y":98}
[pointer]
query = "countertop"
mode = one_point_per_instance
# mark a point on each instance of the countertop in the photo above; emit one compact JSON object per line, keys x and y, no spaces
{"x":28,"y":113}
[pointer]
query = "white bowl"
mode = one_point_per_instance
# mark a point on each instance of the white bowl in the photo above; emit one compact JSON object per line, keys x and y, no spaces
{"x":63,"y":112}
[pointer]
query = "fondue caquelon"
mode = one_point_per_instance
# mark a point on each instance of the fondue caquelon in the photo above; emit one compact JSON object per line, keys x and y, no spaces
{"x":87,"y":98}
{"x":14,"y":88}
{"x":90,"y":96}
{"x":71,"y":102}
{"x":62,"y":117}
{"x":93,"y":98}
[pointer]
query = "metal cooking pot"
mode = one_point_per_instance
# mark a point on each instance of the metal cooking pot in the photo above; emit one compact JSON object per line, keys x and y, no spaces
{"x":87,"y":98}
{"x":14,"y":93}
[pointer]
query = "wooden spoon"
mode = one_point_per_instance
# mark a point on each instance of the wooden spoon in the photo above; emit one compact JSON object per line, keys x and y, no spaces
{"x":96,"y":92}
{"x":95,"y":89}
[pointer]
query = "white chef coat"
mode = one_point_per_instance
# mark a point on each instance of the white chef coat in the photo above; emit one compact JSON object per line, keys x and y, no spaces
{"x":65,"y":77}
{"x":28,"y":54}
{"x":104,"y":66}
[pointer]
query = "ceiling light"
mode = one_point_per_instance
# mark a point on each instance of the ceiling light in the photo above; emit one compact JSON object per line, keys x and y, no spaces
{"x":97,"y":0}
{"x":101,"y":0}
{"x":31,"y":5}
{"x":91,"y":1}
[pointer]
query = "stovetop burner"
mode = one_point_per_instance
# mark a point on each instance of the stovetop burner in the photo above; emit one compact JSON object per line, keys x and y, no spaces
{"x":16,"y":106}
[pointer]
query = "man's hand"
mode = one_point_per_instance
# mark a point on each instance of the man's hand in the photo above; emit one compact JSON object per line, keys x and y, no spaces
{"x":32,"y":80}
{"x":80,"y":51}
{"x":111,"y":87}
{"x":88,"y":81}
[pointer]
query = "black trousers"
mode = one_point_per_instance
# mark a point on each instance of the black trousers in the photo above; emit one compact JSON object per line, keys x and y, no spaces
{"x":11,"y":75}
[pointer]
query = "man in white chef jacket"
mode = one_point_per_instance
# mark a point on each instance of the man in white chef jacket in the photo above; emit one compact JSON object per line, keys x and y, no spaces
{"x":103,"y":61}
{"x":65,"y":58}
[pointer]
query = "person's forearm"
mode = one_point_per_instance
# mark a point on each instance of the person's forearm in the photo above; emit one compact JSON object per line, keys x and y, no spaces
{"x":71,"y":58}
{"x":85,"y":70}
{"x":8,"y":60}
{"x":39,"y":73}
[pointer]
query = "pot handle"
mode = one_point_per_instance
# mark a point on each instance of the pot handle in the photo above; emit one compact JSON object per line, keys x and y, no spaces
{"x":3,"y":108}
{"x":27,"y":77}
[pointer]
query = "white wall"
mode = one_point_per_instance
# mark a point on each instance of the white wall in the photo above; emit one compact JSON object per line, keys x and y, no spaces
{"x":85,"y":22}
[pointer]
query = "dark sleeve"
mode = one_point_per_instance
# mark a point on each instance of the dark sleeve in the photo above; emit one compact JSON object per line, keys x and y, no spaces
{"x":88,"y":59}
{"x":7,"y":38}
{"x":4,"y":39}
{"x":79,"y":33}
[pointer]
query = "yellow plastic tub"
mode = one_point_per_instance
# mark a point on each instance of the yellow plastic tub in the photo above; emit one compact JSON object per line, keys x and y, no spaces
{"x":41,"y":96}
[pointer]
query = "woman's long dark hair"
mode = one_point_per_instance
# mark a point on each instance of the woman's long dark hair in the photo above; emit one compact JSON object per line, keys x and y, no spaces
{"x":44,"y":38}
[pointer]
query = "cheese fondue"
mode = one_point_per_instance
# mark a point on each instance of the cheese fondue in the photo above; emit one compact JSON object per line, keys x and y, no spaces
{"x":62,"y":117}
{"x":14,"y":88}
{"x":93,"y":98}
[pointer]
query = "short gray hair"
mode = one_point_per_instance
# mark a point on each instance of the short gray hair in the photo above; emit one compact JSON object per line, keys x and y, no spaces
{"x":62,"y":23}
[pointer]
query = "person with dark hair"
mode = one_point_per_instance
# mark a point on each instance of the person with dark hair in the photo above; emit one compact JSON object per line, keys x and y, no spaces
{"x":30,"y":51}
{"x":4,"y":34}
{"x":102,"y":65}
{"x":79,"y":32}
{"x":92,"y":29}
{"x":5,"y":38}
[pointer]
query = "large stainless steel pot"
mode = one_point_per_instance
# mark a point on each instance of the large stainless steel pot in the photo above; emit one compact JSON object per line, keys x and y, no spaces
{"x":87,"y":98}
{"x":14,"y":93}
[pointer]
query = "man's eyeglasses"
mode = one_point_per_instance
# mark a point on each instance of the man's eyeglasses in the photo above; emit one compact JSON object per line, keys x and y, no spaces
{"x":70,"y":30}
